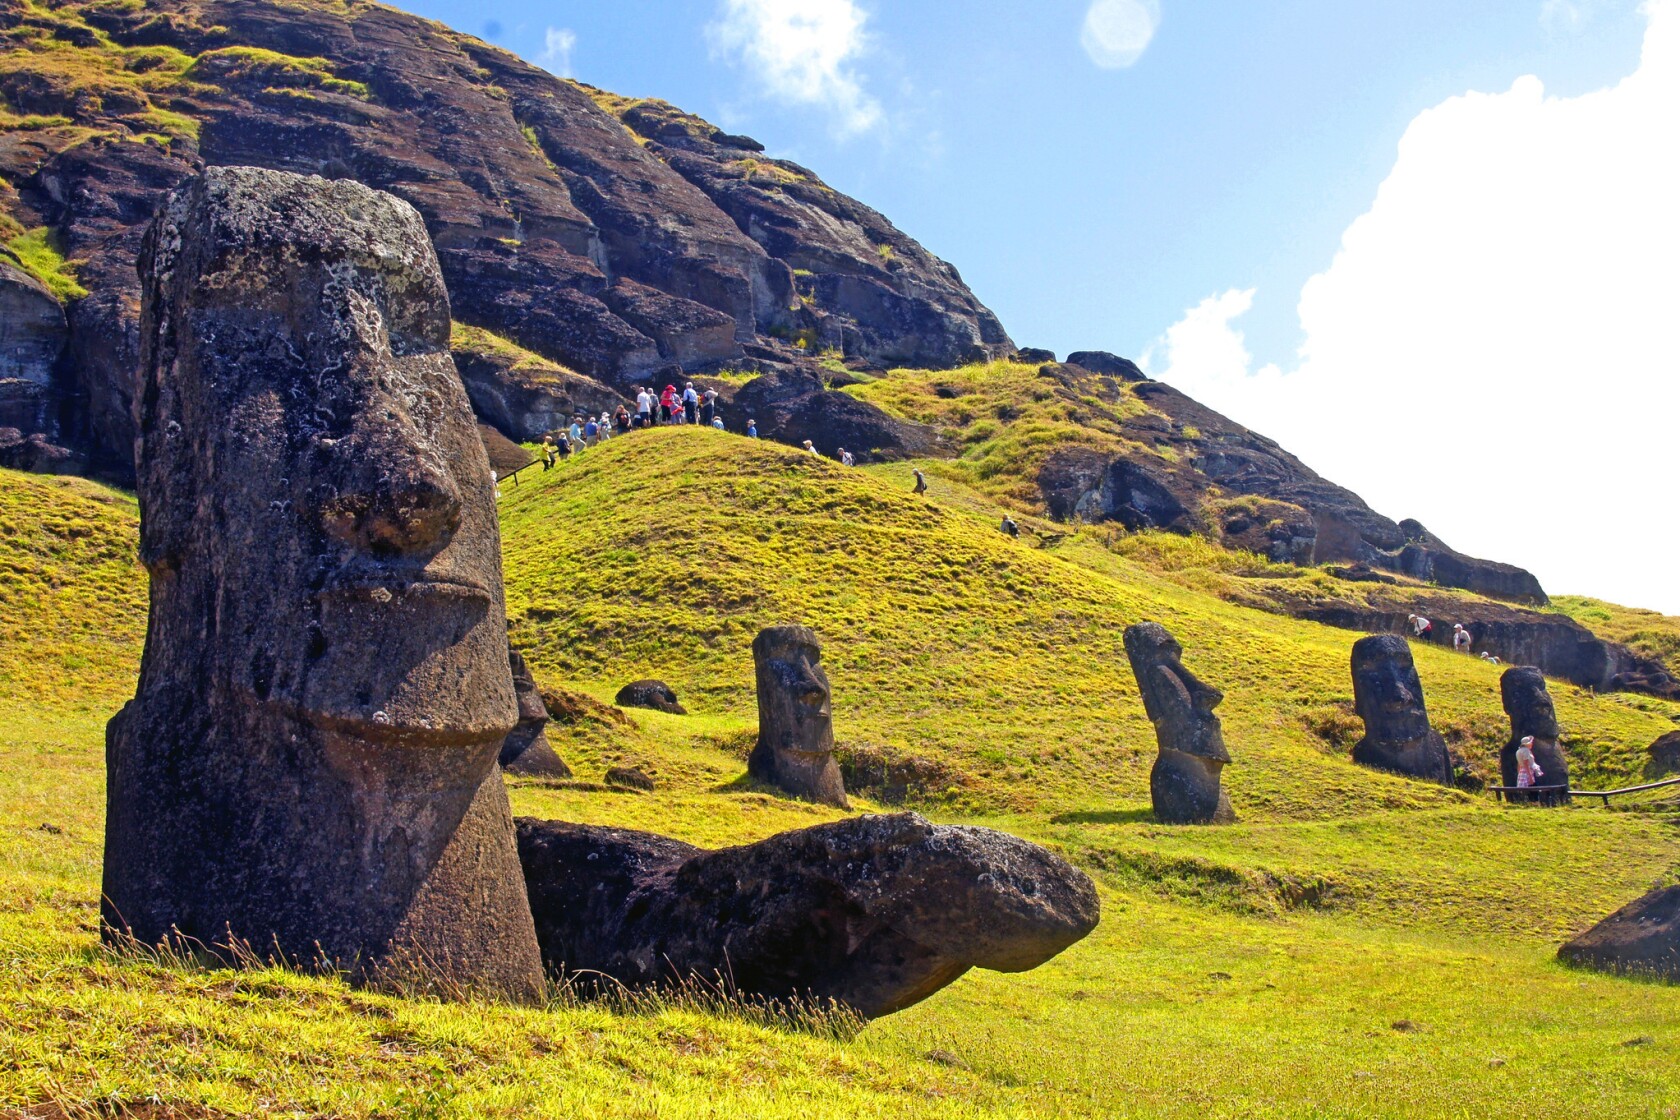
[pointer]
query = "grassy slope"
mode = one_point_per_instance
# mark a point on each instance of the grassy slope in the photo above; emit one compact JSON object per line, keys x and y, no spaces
{"x":1343,"y":903}
{"x":1648,"y":632}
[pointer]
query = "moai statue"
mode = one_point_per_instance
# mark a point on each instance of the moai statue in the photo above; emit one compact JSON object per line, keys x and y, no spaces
{"x":526,"y":750}
{"x":795,"y":750}
{"x":309,"y":763}
{"x":1523,"y":691}
{"x":1184,"y":785}
{"x":1389,"y":697}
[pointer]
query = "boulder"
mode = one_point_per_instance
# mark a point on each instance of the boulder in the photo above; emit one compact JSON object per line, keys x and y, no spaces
{"x":1184,"y":784}
{"x":657,"y":695}
{"x":1640,"y":939}
{"x":526,"y":750}
{"x":32,"y":336}
{"x":309,"y":761}
{"x":795,"y":749}
{"x":792,"y":406}
{"x":875,"y":913}
{"x":1034,"y":355}
{"x":1389,"y":698}
{"x":1663,"y":757}
{"x":36,"y":453}
{"x":1529,"y":705}
{"x":1109,"y":365}
{"x":628,"y":777}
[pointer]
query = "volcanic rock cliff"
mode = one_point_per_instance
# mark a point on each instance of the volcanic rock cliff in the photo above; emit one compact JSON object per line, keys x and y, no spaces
{"x":616,"y":239}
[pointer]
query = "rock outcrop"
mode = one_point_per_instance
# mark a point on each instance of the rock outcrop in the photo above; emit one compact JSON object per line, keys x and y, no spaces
{"x":1640,"y":939}
{"x":875,"y":913}
{"x":1209,"y":470}
{"x":795,"y":748}
{"x":1388,"y":697}
{"x":1662,"y":758}
{"x":521,"y":394}
{"x":613,"y":238}
{"x":1523,"y":693}
{"x":791,"y":406}
{"x":309,"y":762}
{"x":656,"y":695}
{"x":32,"y":336}
{"x":1184,"y":784}
{"x":526,"y":750}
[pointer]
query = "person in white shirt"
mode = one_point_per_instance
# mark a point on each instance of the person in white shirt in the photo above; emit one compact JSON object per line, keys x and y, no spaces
{"x":1461,"y":638}
{"x":644,"y":408}
{"x":1422,"y":628}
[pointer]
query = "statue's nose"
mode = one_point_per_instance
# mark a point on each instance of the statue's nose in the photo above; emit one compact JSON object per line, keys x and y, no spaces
{"x":393,"y":496}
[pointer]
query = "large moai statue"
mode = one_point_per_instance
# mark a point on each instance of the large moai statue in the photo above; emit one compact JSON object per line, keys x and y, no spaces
{"x":1184,"y":784}
{"x":1389,"y":697}
{"x":309,"y":763}
{"x":526,"y":750}
{"x":1523,"y":692}
{"x":795,"y":750}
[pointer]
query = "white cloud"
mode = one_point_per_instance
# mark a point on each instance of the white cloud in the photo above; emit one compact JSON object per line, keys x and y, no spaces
{"x":1116,"y":32}
{"x":1562,"y":17}
{"x":557,"y":50}
{"x":1495,"y":348}
{"x":801,"y":52}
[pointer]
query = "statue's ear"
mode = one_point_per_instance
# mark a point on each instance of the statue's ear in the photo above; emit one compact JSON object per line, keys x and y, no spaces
{"x":163,"y":460}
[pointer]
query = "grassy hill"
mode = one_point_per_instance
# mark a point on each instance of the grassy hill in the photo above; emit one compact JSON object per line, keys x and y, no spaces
{"x":1355,"y":945}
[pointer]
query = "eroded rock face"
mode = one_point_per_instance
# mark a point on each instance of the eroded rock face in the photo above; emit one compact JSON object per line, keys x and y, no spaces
{"x":310,"y":758}
{"x":1642,"y":939}
{"x":32,"y":335}
{"x":1389,"y":697}
{"x":795,"y":750}
{"x":874,"y":912}
{"x":526,"y":750}
{"x":656,"y":695}
{"x":1184,"y":784}
{"x":1523,"y":691}
{"x":791,"y":406}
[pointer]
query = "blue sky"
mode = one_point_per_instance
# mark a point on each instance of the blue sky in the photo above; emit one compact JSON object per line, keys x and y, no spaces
{"x":1429,"y":246}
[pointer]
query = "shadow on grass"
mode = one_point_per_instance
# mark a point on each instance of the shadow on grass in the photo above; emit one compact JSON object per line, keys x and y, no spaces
{"x":1105,"y":816}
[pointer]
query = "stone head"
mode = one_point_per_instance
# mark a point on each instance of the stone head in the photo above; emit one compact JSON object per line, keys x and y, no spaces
{"x":1179,"y":704}
{"x":795,"y":710}
{"x":1387,"y":693}
{"x":317,"y":507}
{"x":1523,"y":691}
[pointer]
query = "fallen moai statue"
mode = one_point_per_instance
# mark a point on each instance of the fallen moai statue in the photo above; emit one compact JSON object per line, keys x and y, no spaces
{"x":1184,"y":783}
{"x":309,"y":762}
{"x":1640,"y":939}
{"x":795,"y":749}
{"x":875,"y":912}
{"x":1389,"y":697}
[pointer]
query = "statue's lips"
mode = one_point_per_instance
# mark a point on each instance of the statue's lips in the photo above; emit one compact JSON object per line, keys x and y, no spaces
{"x":390,"y":586}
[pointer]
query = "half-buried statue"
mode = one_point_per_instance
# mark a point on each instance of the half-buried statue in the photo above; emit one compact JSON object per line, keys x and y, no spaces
{"x":1389,"y":697}
{"x":309,"y":764}
{"x":1523,"y":691}
{"x":795,"y":750}
{"x":1184,"y":784}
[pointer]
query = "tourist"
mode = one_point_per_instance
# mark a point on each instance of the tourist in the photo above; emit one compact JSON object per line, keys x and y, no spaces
{"x":1461,"y":638}
{"x":1489,"y":658}
{"x":1422,"y":628}
{"x":708,"y":407}
{"x":591,"y":431}
{"x":752,"y":428}
{"x":547,"y":454}
{"x":668,"y":404}
{"x":606,"y":425}
{"x":576,"y":432}
{"x":717,"y":422}
{"x":691,"y":404}
{"x":1527,"y":769}
{"x":563,"y":445}
{"x":621,"y":419}
{"x":1009,"y":527}
{"x":921,"y":482}
{"x":644,"y":407}
{"x":809,"y":446}
{"x":846,"y":459}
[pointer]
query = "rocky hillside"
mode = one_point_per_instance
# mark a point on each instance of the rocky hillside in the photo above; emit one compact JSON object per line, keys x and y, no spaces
{"x":615,"y":239}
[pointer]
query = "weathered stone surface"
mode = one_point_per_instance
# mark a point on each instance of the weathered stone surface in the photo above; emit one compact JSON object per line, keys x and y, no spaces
{"x":1184,"y":784}
{"x":874,"y":912}
{"x":795,"y":749}
{"x":310,"y":758}
{"x":526,"y":750}
{"x":657,"y":695}
{"x":1389,"y":697}
{"x":32,"y":336}
{"x":1641,"y":939}
{"x":1110,"y":365}
{"x":36,"y":453}
{"x":628,"y":777}
{"x":1663,"y":756}
{"x":523,"y":396}
{"x":1529,"y":705}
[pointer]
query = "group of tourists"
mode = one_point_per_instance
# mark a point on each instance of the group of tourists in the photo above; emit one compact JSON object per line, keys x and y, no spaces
{"x":1424,"y":631}
{"x":652,"y":410}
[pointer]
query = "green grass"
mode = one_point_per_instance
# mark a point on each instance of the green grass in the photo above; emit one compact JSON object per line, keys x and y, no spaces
{"x":1357,"y":945}
{"x":1647,"y":632}
{"x":36,"y":251}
